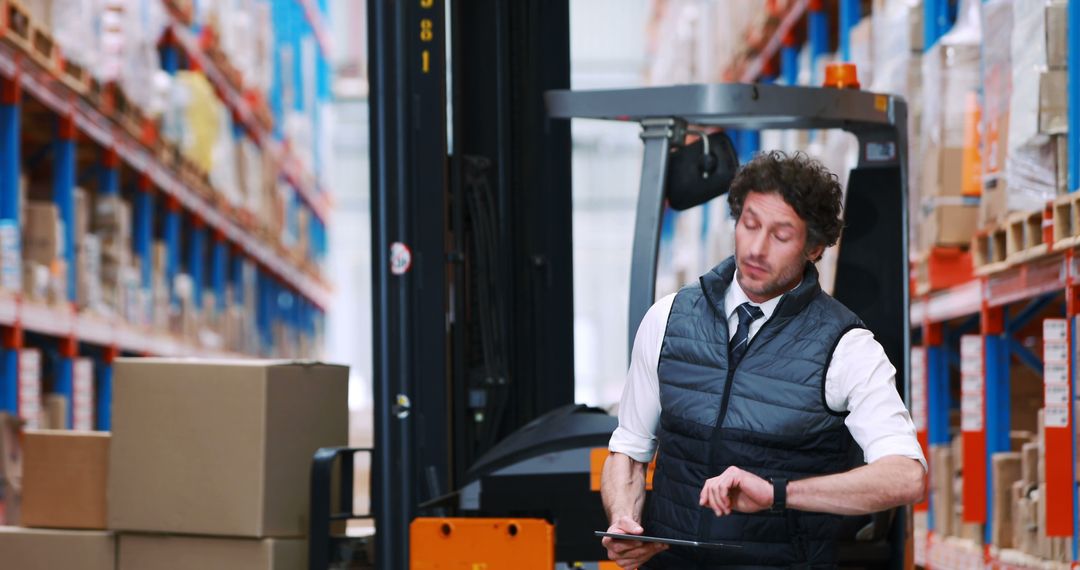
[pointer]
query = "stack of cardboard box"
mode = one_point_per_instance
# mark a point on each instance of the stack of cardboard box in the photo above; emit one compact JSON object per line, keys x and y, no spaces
{"x":44,"y":269}
{"x":948,"y":148}
{"x":1025,"y":107}
{"x":207,"y":467}
{"x":111,"y":221}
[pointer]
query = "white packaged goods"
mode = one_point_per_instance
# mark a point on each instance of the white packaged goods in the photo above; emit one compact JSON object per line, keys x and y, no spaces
{"x":30,"y":387}
{"x":82,"y":404}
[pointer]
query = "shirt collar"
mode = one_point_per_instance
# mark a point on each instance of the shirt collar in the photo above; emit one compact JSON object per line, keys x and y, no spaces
{"x":735,"y":296}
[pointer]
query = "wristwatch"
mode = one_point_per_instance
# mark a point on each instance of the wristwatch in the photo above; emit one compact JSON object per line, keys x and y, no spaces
{"x":779,"y":486}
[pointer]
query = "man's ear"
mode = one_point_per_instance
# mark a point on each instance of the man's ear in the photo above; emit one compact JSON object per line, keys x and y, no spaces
{"x":814,"y":253}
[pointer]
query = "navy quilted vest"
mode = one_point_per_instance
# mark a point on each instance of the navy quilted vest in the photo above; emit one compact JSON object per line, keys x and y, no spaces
{"x":768,"y":417}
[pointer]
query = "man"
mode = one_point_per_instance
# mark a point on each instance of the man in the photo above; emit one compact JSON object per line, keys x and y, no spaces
{"x":756,"y":386}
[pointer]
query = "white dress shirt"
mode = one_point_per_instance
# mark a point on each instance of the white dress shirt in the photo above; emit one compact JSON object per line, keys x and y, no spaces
{"x":860,"y":380}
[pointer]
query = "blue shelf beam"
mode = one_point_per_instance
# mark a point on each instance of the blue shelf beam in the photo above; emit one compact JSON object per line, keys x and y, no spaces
{"x":144,"y":232}
{"x":938,"y":18}
{"x":10,"y":149}
{"x":64,"y":194}
{"x":218,"y":266}
{"x":817,"y":22}
{"x":850,"y":14}
{"x":196,"y":261}
{"x":172,"y":248}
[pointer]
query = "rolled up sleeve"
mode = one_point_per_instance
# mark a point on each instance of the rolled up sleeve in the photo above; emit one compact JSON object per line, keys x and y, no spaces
{"x":639,"y":407}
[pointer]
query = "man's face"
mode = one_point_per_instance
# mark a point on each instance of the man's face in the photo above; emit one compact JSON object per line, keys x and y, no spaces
{"x":770,"y":246}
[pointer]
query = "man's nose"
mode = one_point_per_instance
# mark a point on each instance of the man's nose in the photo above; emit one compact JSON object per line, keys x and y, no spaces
{"x":759,"y":244}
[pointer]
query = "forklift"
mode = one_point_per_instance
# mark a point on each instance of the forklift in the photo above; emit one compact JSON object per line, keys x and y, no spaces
{"x":481,"y":457}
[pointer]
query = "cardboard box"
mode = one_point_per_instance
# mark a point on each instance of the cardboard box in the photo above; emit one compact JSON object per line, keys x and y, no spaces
{"x":10,"y":469}
{"x":944,"y":225}
{"x":54,"y":411}
{"x":158,"y":552}
{"x":941,"y":486}
{"x":39,"y":549}
{"x":1023,"y":524}
{"x":42,"y":234}
{"x":64,"y":475}
{"x":943,"y":172}
{"x":1005,"y":470}
{"x":1053,"y":102}
{"x":220,"y":447}
{"x":1057,"y":34}
{"x":1029,"y":463}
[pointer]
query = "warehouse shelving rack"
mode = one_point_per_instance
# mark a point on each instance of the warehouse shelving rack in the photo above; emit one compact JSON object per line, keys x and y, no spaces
{"x":996,"y":306}
{"x":992,"y":305}
{"x":191,"y":214}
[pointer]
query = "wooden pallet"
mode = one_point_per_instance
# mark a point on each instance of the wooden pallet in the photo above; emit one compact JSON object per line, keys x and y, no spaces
{"x":74,"y":76}
{"x":1025,"y":237}
{"x":1066,"y":210}
{"x":20,"y":30}
{"x":989,"y":251}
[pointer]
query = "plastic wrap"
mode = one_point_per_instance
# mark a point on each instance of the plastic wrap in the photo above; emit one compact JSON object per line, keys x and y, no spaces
{"x":894,"y":52}
{"x":1038,"y":95}
{"x":224,"y":163}
{"x":75,"y":26}
{"x":997,"y":84}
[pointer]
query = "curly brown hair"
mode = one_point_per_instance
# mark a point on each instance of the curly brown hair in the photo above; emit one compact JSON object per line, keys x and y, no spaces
{"x":804,"y":183}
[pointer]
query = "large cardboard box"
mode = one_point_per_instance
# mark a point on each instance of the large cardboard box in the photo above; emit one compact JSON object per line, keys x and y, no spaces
{"x":1053,"y":102}
{"x":10,"y":468}
{"x":220,"y":447}
{"x":163,"y":552}
{"x":1005,"y":470}
{"x":947,"y":224}
{"x":41,"y":233}
{"x":941,"y":486}
{"x":39,"y":549}
{"x":64,"y":475}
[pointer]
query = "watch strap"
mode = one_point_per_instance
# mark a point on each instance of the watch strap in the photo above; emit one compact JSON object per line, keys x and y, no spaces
{"x":779,"y":494}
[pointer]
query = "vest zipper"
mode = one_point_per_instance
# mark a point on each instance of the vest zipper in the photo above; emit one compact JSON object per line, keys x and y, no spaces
{"x":703,"y":527}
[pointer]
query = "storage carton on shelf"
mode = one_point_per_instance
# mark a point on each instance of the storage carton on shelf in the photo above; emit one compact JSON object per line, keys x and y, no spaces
{"x":41,"y":549}
{"x":64,"y":479}
{"x":157,"y":552}
{"x":10,"y":469}
{"x":220,"y":447}
{"x":1005,"y":471}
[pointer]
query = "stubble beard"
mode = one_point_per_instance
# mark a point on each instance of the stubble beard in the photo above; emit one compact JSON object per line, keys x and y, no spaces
{"x":778,"y":286}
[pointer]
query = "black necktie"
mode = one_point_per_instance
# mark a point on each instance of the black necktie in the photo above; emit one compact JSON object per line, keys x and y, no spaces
{"x":737,"y":347}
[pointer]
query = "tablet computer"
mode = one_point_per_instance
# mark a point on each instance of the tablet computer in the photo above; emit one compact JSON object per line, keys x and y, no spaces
{"x":661,"y":539}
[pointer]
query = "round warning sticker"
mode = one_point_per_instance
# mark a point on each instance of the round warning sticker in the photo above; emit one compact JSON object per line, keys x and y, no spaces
{"x":400,"y":258}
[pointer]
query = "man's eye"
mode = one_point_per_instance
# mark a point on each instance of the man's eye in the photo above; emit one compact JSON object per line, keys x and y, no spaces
{"x":782,"y":238}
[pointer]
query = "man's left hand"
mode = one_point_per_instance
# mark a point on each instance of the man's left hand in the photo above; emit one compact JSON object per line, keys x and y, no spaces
{"x":736,"y":490}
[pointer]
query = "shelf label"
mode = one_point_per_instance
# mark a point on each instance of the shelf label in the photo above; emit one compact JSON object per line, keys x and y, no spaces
{"x":971,"y":411}
{"x":1055,"y":330}
{"x":1056,"y":353}
{"x":1057,"y":394}
{"x":971,"y":382}
{"x":1056,"y":373}
{"x":1057,"y":415}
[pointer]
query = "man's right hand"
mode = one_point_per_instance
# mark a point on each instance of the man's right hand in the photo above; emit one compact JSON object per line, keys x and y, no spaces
{"x":629,"y":554}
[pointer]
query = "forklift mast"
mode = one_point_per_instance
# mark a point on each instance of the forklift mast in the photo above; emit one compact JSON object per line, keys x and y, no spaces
{"x":472,"y":266}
